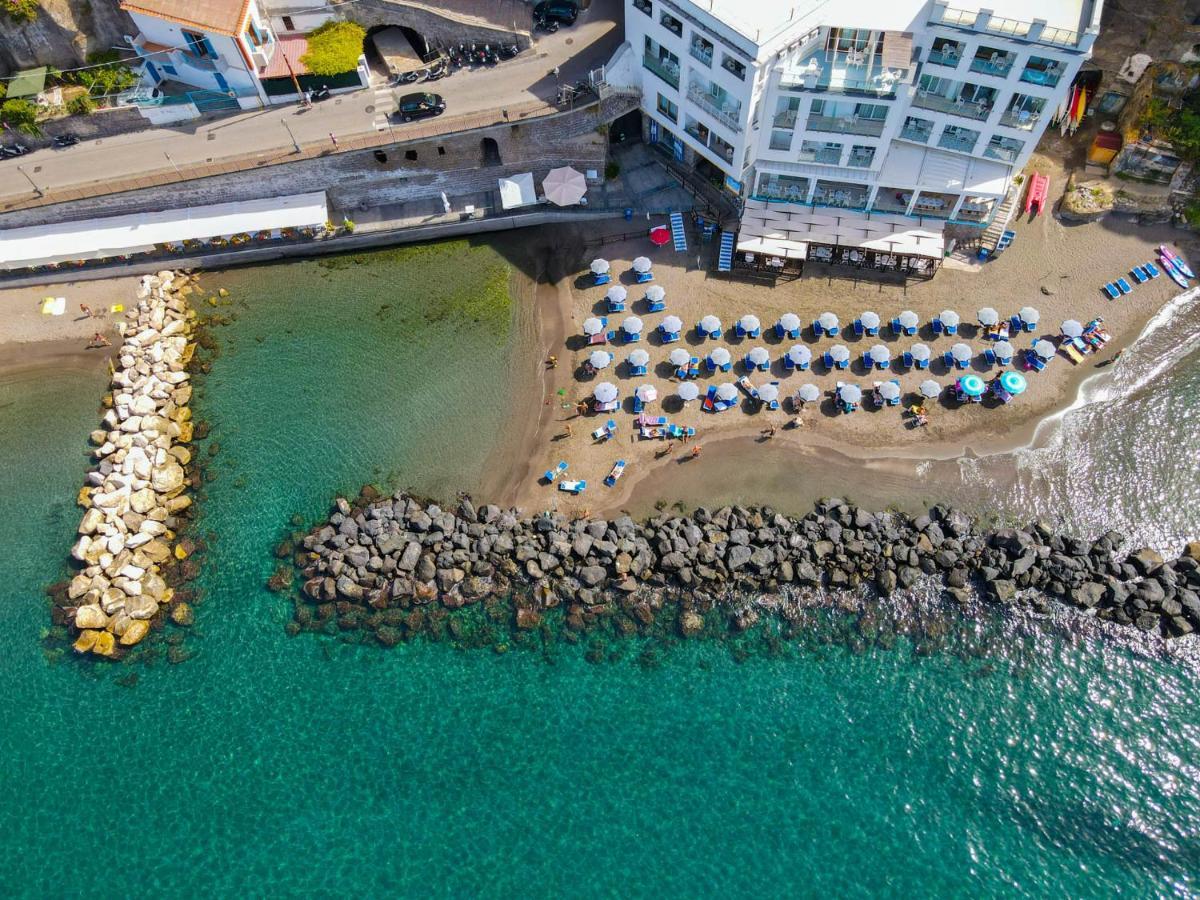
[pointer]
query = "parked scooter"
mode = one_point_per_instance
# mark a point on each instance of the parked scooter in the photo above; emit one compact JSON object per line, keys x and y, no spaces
{"x":66,"y":140}
{"x":408,"y":77}
{"x":321,"y":93}
{"x":436,"y":71}
{"x":547,"y":25}
{"x":508,"y":51}
{"x":8,"y":151}
{"x":490,"y":56}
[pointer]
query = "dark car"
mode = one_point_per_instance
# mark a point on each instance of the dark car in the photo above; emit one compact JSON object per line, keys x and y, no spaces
{"x":419,"y":106}
{"x":564,"y":11}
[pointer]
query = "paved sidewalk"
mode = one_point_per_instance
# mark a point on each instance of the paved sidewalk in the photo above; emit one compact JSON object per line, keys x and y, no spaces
{"x":513,"y":90}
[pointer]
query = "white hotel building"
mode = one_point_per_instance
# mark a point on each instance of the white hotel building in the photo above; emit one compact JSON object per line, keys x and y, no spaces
{"x":909,"y":107}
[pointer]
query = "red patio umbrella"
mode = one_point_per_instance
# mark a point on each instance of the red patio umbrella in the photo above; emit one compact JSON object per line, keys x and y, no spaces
{"x":659,"y":235}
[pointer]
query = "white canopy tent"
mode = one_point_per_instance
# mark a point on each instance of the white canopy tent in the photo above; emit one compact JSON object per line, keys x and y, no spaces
{"x":787,"y":229}
{"x":40,"y":245}
{"x":517,"y":191}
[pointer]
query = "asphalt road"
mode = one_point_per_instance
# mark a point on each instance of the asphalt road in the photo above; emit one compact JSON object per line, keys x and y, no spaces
{"x":267,"y":132}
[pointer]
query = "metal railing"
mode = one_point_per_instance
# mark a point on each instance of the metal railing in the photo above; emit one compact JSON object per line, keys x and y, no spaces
{"x":1004,"y":154}
{"x":825,"y":157}
{"x":846,"y":125}
{"x":665,"y":69}
{"x":1023,"y":119}
{"x":942,"y":58}
{"x":956,"y":107}
{"x":956,"y":143}
{"x":730,"y":117}
{"x":1000,"y":67}
{"x":1041,"y":76}
{"x":920,"y":135}
{"x":702,"y":53}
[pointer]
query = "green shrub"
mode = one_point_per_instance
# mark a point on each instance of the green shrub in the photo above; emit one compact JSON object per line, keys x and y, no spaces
{"x":334,"y":48}
{"x":21,"y":115}
{"x":111,"y":77}
{"x":80,"y":105}
{"x":20,"y":10}
{"x":611,"y":171}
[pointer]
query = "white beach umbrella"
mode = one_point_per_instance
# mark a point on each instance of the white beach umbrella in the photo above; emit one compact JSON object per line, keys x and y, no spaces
{"x":799,"y":354}
{"x":727,"y":391}
{"x":1043,"y":348}
{"x":1029,"y":314}
{"x":616,"y":294}
{"x":908,"y":319}
{"x":850,"y":393}
{"x":839,"y":352}
{"x":1071,"y":328}
{"x":592,"y":326}
{"x":599,"y":266}
{"x":880,"y":353}
{"x":632,"y":325}
{"x":889,"y":390}
{"x":828,"y":321}
{"x":768,"y":393}
{"x":647,"y":393}
{"x":641,"y":264}
{"x":688,"y":391}
{"x":749,"y":323}
{"x":949,"y":317}
{"x":759,"y":356}
{"x":931,"y":389}
{"x":655,"y":293}
{"x":710,"y":324}
{"x":680,"y":357}
{"x":640,"y":357}
{"x":920,"y":352}
{"x":961,"y":352}
{"x":600,"y":359}
{"x":1004,"y":349}
{"x":672,"y":324}
{"x":808,"y":392}
{"x":564,"y":186}
{"x":987,"y":316}
{"x":789,"y":321}
{"x":869,"y":319}
{"x":719,"y":355}
{"x":605,"y":392}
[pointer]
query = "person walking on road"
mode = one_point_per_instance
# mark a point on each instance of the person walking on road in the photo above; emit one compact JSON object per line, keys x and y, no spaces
{"x":333,"y":138}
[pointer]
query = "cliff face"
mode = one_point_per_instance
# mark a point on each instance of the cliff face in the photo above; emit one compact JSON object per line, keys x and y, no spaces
{"x":63,"y":34}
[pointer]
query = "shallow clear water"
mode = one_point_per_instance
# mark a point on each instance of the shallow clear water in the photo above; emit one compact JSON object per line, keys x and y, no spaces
{"x":1048,"y":759}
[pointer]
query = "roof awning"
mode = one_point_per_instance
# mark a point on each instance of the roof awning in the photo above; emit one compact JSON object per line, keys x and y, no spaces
{"x":890,"y":234}
{"x":517,"y":190}
{"x":28,"y":83}
{"x":40,"y":245}
{"x":897,"y":49}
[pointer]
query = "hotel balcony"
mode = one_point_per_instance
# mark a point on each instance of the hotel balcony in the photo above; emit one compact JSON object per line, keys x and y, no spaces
{"x":727,"y":113}
{"x":917,"y":130}
{"x":891,"y":200}
{"x":962,"y":141}
{"x":955,"y":106}
{"x":846,"y":125}
{"x":825,"y":72}
{"x":840,"y":194}
{"x":825,"y":156}
{"x":982,"y":21}
{"x":976,"y":211}
{"x":993,"y":62}
{"x":666,"y":69}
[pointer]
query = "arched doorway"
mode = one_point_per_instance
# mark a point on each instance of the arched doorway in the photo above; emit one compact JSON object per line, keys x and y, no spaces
{"x":491,"y":152}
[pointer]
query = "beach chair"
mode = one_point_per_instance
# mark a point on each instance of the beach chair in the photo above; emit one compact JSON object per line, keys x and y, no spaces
{"x":788,"y":365}
{"x":668,"y":337}
{"x":951,"y":329}
{"x":1138,"y":275}
{"x":636,"y":370}
{"x":858,"y":327}
{"x":1072,"y":350}
{"x":827,"y":359}
{"x":948,"y":359}
{"x":907,"y":359}
{"x":552,"y":474}
{"x":962,"y":363}
{"x":709,"y":404}
{"x":897,"y":328}
{"x":833,"y":332}
{"x":606,"y":278}
{"x":886,"y":364}
{"x":922,"y":363}
{"x":750,"y":366}
{"x":801,"y":367}
{"x":937,"y":326}
{"x":873,"y":332}
{"x":989,"y":356}
{"x":1016,"y":324}
{"x":643,"y":277}
{"x":1123,"y":286}
{"x":844,"y":364}
{"x":652,"y":306}
{"x":817,"y":329}
{"x":638,"y":404}
{"x":615,"y":474}
{"x":631,"y":337}
{"x":1033,"y":361}
{"x":867,"y":362}
{"x":694,"y":367}
{"x":1111,"y":290}
{"x":895,"y":401}
{"x":1003,"y":360}
{"x":573,"y":487}
{"x":615,"y":306}
{"x":1151,"y":269}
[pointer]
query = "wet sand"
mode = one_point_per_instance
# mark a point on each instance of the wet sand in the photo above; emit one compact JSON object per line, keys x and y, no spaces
{"x":792,"y":467}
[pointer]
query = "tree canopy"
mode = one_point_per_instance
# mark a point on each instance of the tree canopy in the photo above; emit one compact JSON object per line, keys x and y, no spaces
{"x":334,"y":48}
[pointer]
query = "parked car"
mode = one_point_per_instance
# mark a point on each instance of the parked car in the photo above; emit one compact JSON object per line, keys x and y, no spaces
{"x":563,"y":11}
{"x":420,"y":106}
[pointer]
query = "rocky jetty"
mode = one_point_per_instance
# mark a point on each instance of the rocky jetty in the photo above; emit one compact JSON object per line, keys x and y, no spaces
{"x":397,"y":566}
{"x":135,"y":497}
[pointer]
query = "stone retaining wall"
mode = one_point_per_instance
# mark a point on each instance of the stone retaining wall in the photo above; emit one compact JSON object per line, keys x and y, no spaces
{"x":396,"y":566}
{"x":136,"y":497}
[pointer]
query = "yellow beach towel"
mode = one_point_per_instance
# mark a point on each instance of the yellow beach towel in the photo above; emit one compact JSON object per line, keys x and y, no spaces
{"x":117,"y":308}
{"x":54,"y":306}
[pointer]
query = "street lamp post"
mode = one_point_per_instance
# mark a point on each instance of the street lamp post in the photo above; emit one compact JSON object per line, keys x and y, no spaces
{"x":173,"y":166}
{"x":295,"y":143}
{"x":37,"y":190}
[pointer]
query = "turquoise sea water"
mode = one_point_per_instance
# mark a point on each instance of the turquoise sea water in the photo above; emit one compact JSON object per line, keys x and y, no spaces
{"x":1022,"y":758}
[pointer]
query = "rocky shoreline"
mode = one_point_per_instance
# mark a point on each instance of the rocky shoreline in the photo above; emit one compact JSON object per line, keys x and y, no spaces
{"x":136,"y":497}
{"x":396,"y":567}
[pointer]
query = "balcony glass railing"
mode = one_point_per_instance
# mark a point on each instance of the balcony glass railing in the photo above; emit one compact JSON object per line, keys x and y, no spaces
{"x":918,"y":133}
{"x":824,"y":156}
{"x":858,"y":160}
{"x":1044,"y":77}
{"x":1014,"y":28}
{"x":830,"y":73}
{"x":666,"y":69}
{"x":1003,"y":152}
{"x":701,"y":52}
{"x":846,"y":125}
{"x":729,"y":114}
{"x":999,"y":67}
{"x":945,"y":57}
{"x":842,"y":196}
{"x":956,"y":107}
{"x":1023,"y":119}
{"x":960,"y":143}
{"x":786,"y":119}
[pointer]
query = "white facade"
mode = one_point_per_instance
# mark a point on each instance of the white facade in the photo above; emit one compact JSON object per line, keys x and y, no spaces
{"x":903,"y":106}
{"x":226,"y":59}
{"x":299,"y":16}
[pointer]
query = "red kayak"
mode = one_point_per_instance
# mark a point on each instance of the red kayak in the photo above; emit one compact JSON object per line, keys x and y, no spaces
{"x":1035,"y":199}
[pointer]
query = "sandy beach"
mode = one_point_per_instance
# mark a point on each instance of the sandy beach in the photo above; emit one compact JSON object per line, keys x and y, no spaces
{"x":1057,"y":268}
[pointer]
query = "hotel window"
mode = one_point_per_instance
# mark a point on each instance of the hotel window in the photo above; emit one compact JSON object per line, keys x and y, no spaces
{"x":781,"y":140}
{"x":288,"y":25}
{"x":668,"y":109}
{"x":702,"y":49}
{"x":199,"y":46}
{"x":825,"y":152}
{"x":955,"y":137}
{"x":729,"y":64}
{"x":672,"y":24}
{"x":644,"y":6}
{"x":848,"y":40}
{"x":861,"y":156}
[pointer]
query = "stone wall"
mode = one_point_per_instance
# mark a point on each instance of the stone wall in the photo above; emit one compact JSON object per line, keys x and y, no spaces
{"x":505,"y":22}
{"x":63,"y":34}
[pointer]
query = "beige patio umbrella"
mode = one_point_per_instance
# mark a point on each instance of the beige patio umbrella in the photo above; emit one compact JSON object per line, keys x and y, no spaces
{"x":564,"y":186}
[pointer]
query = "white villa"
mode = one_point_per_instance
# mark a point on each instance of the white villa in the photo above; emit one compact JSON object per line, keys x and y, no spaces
{"x":903,"y":107}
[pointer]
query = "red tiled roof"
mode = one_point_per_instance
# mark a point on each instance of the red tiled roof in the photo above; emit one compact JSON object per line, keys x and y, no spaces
{"x":218,"y":16}
{"x":288,"y":49}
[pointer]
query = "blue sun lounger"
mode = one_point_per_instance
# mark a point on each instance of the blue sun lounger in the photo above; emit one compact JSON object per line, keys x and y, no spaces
{"x":643,"y":277}
{"x":652,"y":306}
{"x":948,"y":359}
{"x":1112,"y":291}
{"x":1033,"y":361}
{"x":989,"y":356}
{"x":1151,"y":269}
{"x":606,"y":278}
{"x":742,"y":332}
{"x":638,"y":404}
{"x":749,"y":366}
{"x":1123,"y":285}
{"x":617,"y":471}
{"x":867,"y":362}
{"x":712,"y":366}
{"x":552,"y":474}
{"x":636,"y":370}
{"x":817,"y":329}
{"x":615,"y":306}
{"x":907,"y":359}
{"x":668,"y":337}
{"x":827,"y":359}
{"x":937,"y":326}
{"x":573,"y":487}
{"x":858,"y":327}
{"x":922,"y":363}
{"x":1139,"y":275}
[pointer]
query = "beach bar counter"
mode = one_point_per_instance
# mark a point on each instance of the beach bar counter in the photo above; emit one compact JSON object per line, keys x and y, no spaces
{"x":164,"y":232}
{"x":778,"y":238}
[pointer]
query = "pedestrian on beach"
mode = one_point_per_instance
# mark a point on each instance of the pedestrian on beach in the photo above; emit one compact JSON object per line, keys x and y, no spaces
{"x":696,"y":452}
{"x":570,"y":430}
{"x":552,"y":362}
{"x":333,"y":138}
{"x":86,"y":310}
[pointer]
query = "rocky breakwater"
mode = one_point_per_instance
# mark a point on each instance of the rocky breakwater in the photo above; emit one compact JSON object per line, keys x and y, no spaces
{"x":397,"y":566}
{"x":136,"y":497}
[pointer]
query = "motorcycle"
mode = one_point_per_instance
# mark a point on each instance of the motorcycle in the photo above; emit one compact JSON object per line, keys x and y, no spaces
{"x":489,"y":55}
{"x":508,"y":51}
{"x":66,"y":140}
{"x":9,"y":151}
{"x":547,"y":25}
{"x":322,"y":93}
{"x":433,"y":73}
{"x":408,"y":77}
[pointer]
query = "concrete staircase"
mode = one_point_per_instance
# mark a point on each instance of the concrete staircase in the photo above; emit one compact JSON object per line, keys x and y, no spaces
{"x":994,"y":234}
